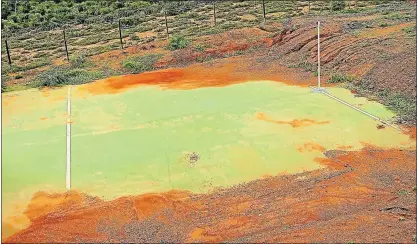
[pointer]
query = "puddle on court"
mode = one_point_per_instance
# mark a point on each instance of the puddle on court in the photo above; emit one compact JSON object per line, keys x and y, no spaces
{"x":147,"y":139}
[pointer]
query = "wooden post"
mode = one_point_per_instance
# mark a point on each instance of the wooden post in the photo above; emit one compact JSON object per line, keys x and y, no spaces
{"x":120,"y":34}
{"x":65,"y":43}
{"x":214,"y":11}
{"x":8,"y":53}
{"x":263,"y":6}
{"x":309,"y":5}
{"x":166,"y":22}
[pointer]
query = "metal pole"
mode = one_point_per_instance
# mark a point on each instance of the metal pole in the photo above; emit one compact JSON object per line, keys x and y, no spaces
{"x":68,"y":171}
{"x":263,"y":6}
{"x":214,"y":11}
{"x":65,"y":43}
{"x":8,"y":53}
{"x":318,"y":52}
{"x":120,"y":34}
{"x":166,"y":22}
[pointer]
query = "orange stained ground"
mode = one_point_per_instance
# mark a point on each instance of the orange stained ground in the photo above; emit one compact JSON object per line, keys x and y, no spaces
{"x":227,"y":72}
{"x":294,"y":123}
{"x":234,"y":214}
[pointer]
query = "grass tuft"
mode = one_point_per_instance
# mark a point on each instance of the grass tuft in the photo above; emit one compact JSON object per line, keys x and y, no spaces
{"x":141,"y":64}
{"x":65,"y":75}
{"x":340,"y":78}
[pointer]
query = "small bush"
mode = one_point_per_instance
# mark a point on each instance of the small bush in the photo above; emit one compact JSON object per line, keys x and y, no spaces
{"x":337,"y":5}
{"x":80,"y":61}
{"x":140,"y":64}
{"x":64,"y":75}
{"x":177,"y":42}
{"x":399,"y":16}
{"x":307,"y":66}
{"x":32,"y":65}
{"x":134,"y":37}
{"x":404,"y":106}
{"x":383,"y":24}
{"x":199,"y":48}
{"x":4,"y":79}
{"x":410,"y":30}
{"x":339,"y":78}
{"x":17,"y":77}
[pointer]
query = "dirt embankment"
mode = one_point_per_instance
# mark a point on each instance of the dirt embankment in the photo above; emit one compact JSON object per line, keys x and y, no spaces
{"x":362,"y":196}
{"x":349,"y":48}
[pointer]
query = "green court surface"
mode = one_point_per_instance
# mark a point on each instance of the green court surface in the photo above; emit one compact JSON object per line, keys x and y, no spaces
{"x":149,"y":140}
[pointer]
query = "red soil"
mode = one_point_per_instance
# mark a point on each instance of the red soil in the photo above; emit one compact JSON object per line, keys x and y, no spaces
{"x":294,"y":123}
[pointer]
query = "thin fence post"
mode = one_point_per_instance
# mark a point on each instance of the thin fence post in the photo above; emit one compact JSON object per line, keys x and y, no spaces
{"x":263,"y":6}
{"x":318,"y":53}
{"x":309,"y":4}
{"x":8,"y":52}
{"x":120,"y":34}
{"x":214,"y":11}
{"x":166,"y":22}
{"x":65,"y":43}
{"x":68,"y":168}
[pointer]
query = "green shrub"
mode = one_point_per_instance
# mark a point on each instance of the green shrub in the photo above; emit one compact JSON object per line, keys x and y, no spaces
{"x":383,"y":24}
{"x":177,"y":42}
{"x":40,"y":55}
{"x":134,"y":37}
{"x":337,"y":5}
{"x":17,"y":77}
{"x":399,"y":16}
{"x":307,"y":66}
{"x":140,"y":64}
{"x":64,"y":75}
{"x":32,"y":65}
{"x":340,"y":78}
{"x":410,"y":30}
{"x":80,"y":61}
{"x":4,"y":79}
{"x":402,"y":105}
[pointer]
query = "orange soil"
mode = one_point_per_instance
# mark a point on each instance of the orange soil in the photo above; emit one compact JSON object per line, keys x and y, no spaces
{"x":347,"y":197}
{"x":311,"y":146}
{"x":410,"y":131}
{"x":294,"y":123}
{"x":43,"y":203}
{"x":228,"y":72}
{"x":378,"y":32}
